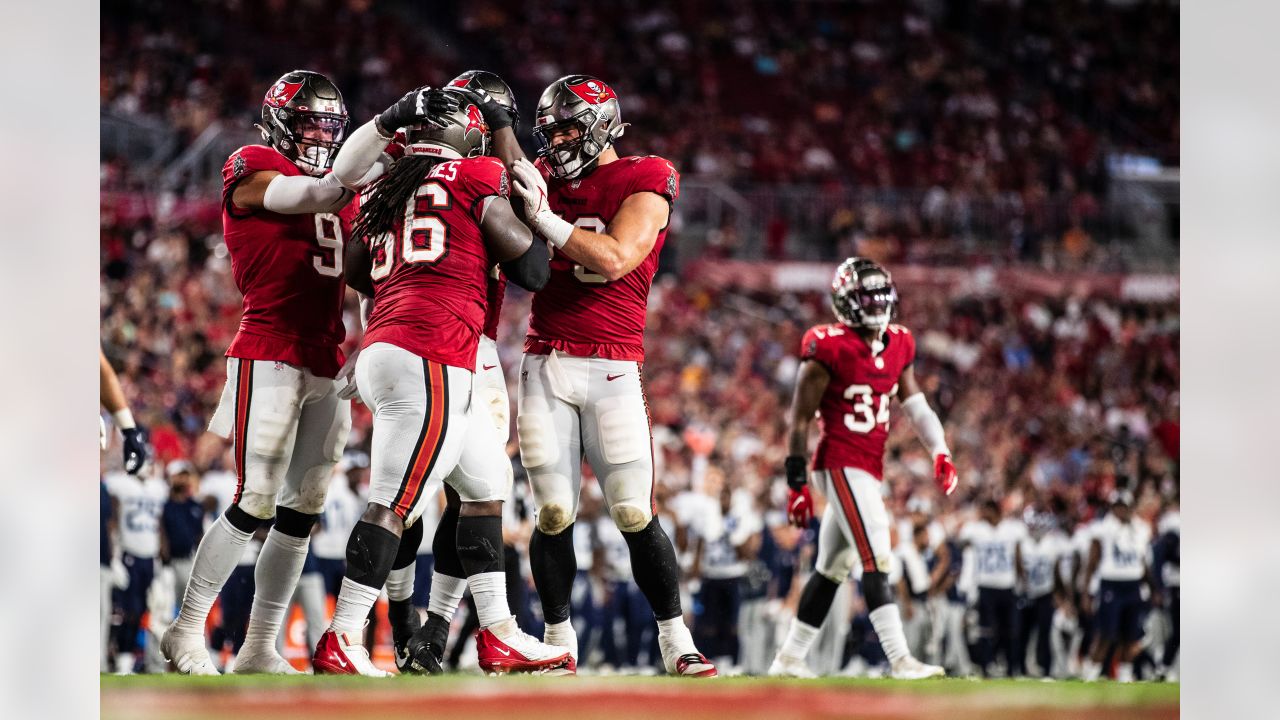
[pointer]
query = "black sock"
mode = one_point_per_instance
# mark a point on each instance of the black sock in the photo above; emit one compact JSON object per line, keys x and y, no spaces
{"x":403,"y":617}
{"x":816,"y":599}
{"x":436,"y":631}
{"x":370,"y":554}
{"x":480,"y":544}
{"x":554,"y":565}
{"x":653,"y":562}
{"x":444,"y":545}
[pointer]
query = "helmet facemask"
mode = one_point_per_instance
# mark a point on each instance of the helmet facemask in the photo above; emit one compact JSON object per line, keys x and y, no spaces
{"x":318,"y":138}
{"x":863,"y":296}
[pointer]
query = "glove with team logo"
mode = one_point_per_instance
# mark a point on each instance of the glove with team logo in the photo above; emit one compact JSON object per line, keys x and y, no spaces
{"x":799,"y":501}
{"x":416,"y":106}
{"x":944,"y":473}
{"x":135,"y":449}
{"x":532,"y":189}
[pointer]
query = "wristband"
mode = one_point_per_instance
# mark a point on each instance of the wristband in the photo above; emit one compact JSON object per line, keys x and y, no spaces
{"x":796,"y":472}
{"x":554,"y":228}
{"x":123,"y":419}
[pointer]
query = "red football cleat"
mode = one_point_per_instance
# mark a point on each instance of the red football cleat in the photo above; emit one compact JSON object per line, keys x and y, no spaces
{"x":521,"y":652}
{"x":695,"y":665}
{"x":336,"y":655}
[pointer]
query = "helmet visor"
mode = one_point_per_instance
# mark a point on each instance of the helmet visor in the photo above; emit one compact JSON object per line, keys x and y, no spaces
{"x":325,"y":131}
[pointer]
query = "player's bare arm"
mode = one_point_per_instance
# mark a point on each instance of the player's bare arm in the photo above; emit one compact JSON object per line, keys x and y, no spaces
{"x":928,"y":428}
{"x":811,"y":383}
{"x":623,"y":245}
{"x":510,"y":242}
{"x":358,"y":262}
{"x":112,"y":398}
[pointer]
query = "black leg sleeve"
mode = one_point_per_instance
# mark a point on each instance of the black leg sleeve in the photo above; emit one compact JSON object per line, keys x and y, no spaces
{"x":653,"y":561}
{"x":554,"y":566}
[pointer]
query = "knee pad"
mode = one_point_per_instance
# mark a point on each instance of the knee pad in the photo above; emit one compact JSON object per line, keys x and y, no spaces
{"x":553,"y":518}
{"x":629,"y":517}
{"x":259,"y":505}
{"x":241,"y":520}
{"x":623,"y":426}
{"x":336,"y":440}
{"x":538,"y":444}
{"x":875,"y":590}
{"x":295,"y":524}
{"x":274,"y":416}
{"x":310,"y":494}
{"x":836,"y":566}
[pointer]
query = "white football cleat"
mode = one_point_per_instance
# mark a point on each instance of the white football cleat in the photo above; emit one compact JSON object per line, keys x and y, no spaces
{"x":787,"y":666}
{"x":187,"y":652}
{"x":263,"y":662}
{"x":337,"y":655}
{"x":909,"y":668}
{"x":505,"y":648}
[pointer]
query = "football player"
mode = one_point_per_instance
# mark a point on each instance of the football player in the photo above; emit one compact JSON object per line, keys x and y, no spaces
{"x":1042,"y":552}
{"x":112,"y":398}
{"x":435,"y":225}
{"x":138,"y":500}
{"x":996,"y":544}
{"x":1118,"y":555}
{"x":849,"y":372}
{"x":285,"y":217}
{"x":580,"y":387}
{"x":423,"y":652}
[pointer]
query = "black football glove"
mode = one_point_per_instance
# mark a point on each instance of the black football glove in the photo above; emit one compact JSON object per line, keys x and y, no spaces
{"x":797,"y":472}
{"x":496,"y":115}
{"x":135,"y":449}
{"x":417,"y":106}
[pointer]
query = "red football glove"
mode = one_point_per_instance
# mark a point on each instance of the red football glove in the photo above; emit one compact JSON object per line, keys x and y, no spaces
{"x":800,"y":506}
{"x":944,"y":473}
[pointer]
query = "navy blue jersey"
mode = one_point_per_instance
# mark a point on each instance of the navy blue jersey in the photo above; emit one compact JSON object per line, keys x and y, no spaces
{"x":183,"y":522}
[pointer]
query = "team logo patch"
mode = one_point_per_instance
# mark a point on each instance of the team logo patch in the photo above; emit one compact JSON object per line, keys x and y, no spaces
{"x":592,"y":92}
{"x":504,"y":189}
{"x":282,"y":93}
{"x":672,"y":188}
{"x":460,"y":82}
{"x":237,"y":166}
{"x":812,"y":350}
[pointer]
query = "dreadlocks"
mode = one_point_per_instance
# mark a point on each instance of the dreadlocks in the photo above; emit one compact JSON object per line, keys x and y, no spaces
{"x":385,"y":206}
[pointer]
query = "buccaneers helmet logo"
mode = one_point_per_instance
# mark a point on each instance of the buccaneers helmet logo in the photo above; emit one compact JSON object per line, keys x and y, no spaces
{"x":474,"y":120}
{"x":593,"y":92}
{"x":282,"y":93}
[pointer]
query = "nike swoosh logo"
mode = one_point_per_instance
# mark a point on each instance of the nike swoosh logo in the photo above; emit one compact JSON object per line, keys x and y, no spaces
{"x":504,"y":652}
{"x":611,"y":378}
{"x":341,"y":662}
{"x":490,"y":367}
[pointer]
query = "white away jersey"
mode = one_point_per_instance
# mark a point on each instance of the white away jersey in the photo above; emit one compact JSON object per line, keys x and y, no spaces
{"x":994,"y":551}
{"x":1125,"y":547}
{"x":141,"y":503}
{"x":1040,"y":560}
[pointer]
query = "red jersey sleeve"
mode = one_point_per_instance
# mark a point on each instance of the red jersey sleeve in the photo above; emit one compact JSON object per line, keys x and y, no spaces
{"x":813,"y":347}
{"x":904,"y":336}
{"x":246,"y":161}
{"x":656,"y":175}
{"x":395,"y":148}
{"x":482,"y":180}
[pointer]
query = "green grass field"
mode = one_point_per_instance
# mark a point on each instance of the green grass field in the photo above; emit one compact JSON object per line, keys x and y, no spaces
{"x":176,"y":697}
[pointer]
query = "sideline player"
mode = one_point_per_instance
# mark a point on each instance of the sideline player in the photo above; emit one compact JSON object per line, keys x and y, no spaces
{"x":849,"y":372}
{"x":284,"y":218}
{"x":580,"y":385}
{"x":1118,"y":554}
{"x":436,"y":224}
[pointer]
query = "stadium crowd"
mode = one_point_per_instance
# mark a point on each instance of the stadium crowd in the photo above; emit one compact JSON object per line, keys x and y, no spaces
{"x":1054,"y":406}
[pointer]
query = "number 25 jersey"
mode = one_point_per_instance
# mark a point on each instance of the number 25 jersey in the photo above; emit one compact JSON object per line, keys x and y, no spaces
{"x":854,"y":412}
{"x":431,"y":272}
{"x":289,"y":269}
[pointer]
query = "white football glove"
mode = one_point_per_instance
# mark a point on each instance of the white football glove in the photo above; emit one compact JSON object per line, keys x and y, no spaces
{"x":532,"y":190}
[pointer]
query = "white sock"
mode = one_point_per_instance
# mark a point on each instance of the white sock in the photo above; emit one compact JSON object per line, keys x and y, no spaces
{"x":674,"y":632}
{"x":352,"y":609}
{"x":216,"y":557}
{"x":274,"y":579}
{"x":400,"y":583}
{"x":562,"y":634}
{"x":799,"y":639}
{"x":446,"y":594}
{"x":1124,"y":672}
{"x":489,"y":590}
{"x":888,"y":624}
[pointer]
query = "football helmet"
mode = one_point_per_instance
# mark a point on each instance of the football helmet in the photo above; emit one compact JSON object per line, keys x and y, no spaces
{"x":304,"y":117}
{"x":583,"y":103}
{"x":461,"y":133}
{"x":863,"y":294}
{"x":492,"y":84}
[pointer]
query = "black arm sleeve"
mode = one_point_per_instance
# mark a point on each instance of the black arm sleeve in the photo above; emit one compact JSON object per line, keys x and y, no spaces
{"x":532,"y":269}
{"x":358,"y":263}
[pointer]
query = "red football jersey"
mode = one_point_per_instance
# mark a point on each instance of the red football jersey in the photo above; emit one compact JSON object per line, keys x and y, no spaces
{"x":493,"y":310}
{"x":854,"y":413}
{"x":430,"y":275}
{"x":579,"y":312}
{"x":289,"y":269}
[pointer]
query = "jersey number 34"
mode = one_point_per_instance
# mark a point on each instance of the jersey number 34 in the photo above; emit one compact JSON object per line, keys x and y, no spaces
{"x":865,"y":416}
